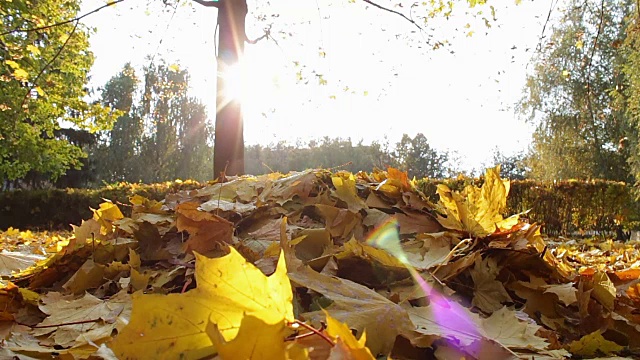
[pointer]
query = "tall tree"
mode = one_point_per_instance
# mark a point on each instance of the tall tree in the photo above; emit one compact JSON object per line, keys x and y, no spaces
{"x":419,"y":159}
{"x":571,"y":94}
{"x":43,"y":74}
{"x":194,"y":135}
{"x":163,"y":133}
{"x":120,"y":163}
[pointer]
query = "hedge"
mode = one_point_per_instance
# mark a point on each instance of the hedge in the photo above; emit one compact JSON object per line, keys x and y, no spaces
{"x":564,"y":208}
{"x":56,"y":209}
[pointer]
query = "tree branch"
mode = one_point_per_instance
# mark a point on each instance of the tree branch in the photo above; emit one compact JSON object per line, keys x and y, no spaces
{"x":546,"y":22}
{"x":266,"y":35}
{"x":392,"y":11}
{"x":212,"y":3}
{"x":64,"y":22}
{"x":35,"y":81}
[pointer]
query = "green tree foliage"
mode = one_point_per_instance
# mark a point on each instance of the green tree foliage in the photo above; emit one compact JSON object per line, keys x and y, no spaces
{"x":571,"y":95}
{"x":419,"y":159}
{"x":43,"y":72}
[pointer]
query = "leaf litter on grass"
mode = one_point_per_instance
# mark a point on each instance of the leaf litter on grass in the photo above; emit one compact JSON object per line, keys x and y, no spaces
{"x":315,"y":265}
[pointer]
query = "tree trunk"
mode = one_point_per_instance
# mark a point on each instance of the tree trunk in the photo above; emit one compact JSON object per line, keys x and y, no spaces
{"x":229,"y":139}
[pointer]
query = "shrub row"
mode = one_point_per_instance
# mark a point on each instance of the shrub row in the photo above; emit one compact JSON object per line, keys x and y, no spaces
{"x":564,"y":208}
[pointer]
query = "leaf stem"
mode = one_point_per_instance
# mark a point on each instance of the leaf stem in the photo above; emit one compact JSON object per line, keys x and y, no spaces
{"x":314,"y":331}
{"x":61,"y":324}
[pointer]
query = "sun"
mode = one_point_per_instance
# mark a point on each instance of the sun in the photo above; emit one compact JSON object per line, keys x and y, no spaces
{"x":251,"y":83}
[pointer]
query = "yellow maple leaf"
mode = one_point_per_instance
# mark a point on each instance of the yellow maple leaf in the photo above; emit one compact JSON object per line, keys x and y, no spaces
{"x":604,"y":290}
{"x":256,"y":340}
{"x":106,"y":215}
{"x":475,"y":210}
{"x":591,"y":344}
{"x":348,"y":346}
{"x":347,"y":192}
{"x":229,"y":288}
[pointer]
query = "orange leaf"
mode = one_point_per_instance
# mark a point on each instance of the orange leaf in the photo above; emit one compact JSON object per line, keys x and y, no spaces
{"x":206,"y":231}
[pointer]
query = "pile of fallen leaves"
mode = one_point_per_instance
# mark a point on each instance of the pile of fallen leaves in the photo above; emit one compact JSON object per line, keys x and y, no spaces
{"x":316,"y":265}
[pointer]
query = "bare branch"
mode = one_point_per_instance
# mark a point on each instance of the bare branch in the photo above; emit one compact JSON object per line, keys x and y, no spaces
{"x":64,"y":22}
{"x":539,"y":47}
{"x":266,"y":35}
{"x":394,"y":12}
{"x":212,"y":3}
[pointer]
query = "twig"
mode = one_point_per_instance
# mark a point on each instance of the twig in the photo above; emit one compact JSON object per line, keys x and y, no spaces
{"x":394,"y":12}
{"x":314,"y":330}
{"x":186,"y":284}
{"x":63,"y":22}
{"x":35,"y":81}
{"x":544,"y":27}
{"x":294,"y":337}
{"x":266,"y":35}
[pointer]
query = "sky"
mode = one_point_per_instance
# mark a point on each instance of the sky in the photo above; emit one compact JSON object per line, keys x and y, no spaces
{"x":382,"y":79}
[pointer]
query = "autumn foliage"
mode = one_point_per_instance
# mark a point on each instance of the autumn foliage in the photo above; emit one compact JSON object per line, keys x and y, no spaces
{"x":317,"y":265}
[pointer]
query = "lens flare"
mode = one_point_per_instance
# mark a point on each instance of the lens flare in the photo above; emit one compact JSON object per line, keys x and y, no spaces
{"x":449,"y":314}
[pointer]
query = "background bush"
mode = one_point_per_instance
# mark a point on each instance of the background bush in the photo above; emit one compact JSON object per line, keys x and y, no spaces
{"x":564,"y":208}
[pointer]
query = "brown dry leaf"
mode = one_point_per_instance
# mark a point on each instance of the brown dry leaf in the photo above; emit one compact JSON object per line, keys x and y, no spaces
{"x":504,"y":327}
{"x":376,"y":201}
{"x":14,"y":262}
{"x":567,"y":293}
{"x":537,"y":301}
{"x":412,"y":222}
{"x":489,"y":293}
{"x":375,"y":218}
{"x":206,"y":231}
{"x":360,"y":307}
{"x":88,"y":230}
{"x":311,"y":244}
{"x":428,"y":250}
{"x":354,"y":248}
{"x":285,"y":188}
{"x":90,"y":275}
{"x":452,"y":269}
{"x":83,"y":320}
{"x":224,"y":205}
{"x":339,"y":222}
{"x":457,"y":326}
